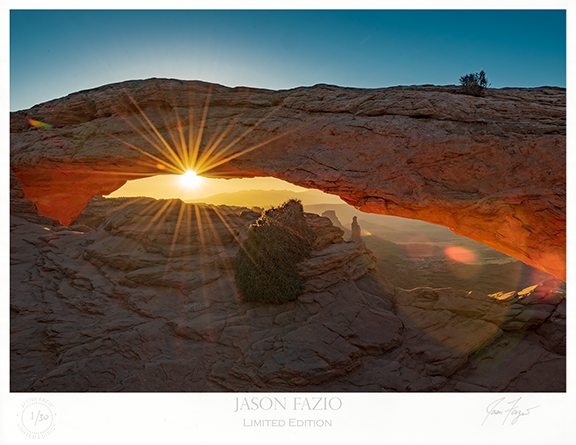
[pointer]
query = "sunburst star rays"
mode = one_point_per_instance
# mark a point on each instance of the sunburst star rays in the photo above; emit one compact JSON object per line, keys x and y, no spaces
{"x":199,"y":145}
{"x":170,"y":144}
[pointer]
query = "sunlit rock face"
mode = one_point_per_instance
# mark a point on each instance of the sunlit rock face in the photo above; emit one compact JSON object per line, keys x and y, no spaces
{"x":491,"y":168}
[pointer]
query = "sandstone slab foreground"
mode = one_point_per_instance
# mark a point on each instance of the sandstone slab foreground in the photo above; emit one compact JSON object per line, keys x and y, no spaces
{"x":139,"y":295}
{"x":491,"y":168}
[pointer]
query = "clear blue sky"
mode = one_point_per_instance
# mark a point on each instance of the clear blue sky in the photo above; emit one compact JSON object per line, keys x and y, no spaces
{"x":54,"y":53}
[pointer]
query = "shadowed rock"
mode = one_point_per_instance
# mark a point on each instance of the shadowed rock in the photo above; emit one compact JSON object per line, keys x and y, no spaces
{"x":146,"y":302}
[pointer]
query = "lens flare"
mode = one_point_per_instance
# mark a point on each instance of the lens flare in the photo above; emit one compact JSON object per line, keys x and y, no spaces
{"x":460,"y":254}
{"x":39,"y":124}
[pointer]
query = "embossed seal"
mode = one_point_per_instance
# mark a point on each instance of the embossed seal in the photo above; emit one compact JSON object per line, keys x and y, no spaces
{"x":37,"y":418}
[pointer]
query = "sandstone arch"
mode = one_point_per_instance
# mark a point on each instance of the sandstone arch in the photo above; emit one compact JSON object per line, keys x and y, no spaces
{"x":492,"y":169}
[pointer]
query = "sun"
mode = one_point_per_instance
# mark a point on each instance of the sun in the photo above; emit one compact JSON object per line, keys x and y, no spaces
{"x":190,"y":179}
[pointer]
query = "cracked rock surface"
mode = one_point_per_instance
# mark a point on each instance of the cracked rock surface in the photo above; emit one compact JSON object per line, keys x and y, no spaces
{"x":144,"y":300}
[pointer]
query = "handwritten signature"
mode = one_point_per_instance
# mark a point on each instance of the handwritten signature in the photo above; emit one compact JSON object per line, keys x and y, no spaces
{"x":505,"y":411}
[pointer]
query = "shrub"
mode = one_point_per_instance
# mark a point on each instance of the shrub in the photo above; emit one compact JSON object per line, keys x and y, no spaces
{"x":265,"y":267}
{"x":474,"y":84}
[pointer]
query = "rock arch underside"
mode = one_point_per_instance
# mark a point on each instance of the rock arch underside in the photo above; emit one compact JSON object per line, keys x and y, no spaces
{"x":138,"y":294}
{"x":491,"y":168}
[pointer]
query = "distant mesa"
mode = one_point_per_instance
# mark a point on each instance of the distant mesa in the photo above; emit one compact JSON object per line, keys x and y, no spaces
{"x":492,"y":168}
{"x":331,"y":215}
{"x":267,"y":198}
